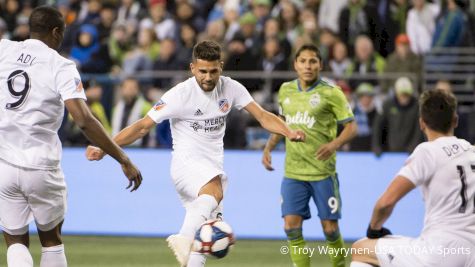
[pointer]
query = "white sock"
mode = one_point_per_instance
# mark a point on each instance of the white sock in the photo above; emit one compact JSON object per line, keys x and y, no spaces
{"x":196,"y":260}
{"x":18,"y":255}
{"x":197,"y":213}
{"x":53,"y":257}
{"x":359,"y":264}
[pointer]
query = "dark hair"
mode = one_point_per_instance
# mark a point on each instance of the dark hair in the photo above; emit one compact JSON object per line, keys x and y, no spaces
{"x":437,"y":109}
{"x":207,"y":50}
{"x":44,"y":19}
{"x":310,"y":47}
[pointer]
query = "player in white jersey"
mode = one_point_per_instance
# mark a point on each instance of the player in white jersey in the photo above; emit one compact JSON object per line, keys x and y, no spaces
{"x":36,"y":83}
{"x":197,"y":109}
{"x":444,"y":168}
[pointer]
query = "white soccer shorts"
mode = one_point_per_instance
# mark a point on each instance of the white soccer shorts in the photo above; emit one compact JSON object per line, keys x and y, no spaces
{"x":27,"y":194}
{"x":400,"y":251}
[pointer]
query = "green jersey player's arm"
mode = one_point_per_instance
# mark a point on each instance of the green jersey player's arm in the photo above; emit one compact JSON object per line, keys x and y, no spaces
{"x":349,"y":132}
{"x":398,"y":188}
{"x":272,"y":123}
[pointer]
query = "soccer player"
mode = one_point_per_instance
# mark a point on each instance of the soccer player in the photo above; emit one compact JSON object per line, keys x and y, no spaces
{"x":197,"y":109}
{"x":314,"y":106}
{"x":36,"y":82}
{"x":444,"y":167}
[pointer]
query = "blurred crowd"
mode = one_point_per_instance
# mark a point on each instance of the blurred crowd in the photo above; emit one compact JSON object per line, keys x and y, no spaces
{"x":358,"y":39}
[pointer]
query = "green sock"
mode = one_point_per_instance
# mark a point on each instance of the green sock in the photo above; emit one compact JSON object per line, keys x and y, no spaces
{"x":296,"y":245}
{"x":336,"y":244}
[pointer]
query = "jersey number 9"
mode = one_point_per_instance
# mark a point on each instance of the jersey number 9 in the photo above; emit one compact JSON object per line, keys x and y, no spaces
{"x":20,"y":95}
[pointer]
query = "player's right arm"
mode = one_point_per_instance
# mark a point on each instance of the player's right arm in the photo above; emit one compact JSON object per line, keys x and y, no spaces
{"x":96,"y":134}
{"x":125,"y":137}
{"x":273,"y":140}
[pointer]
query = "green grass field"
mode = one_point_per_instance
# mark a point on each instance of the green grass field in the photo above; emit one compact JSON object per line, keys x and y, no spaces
{"x":99,"y":251}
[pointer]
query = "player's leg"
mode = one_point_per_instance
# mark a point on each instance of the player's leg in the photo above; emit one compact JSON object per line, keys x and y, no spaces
{"x":198,"y":210}
{"x":47,"y":195}
{"x":327,"y":198}
{"x":18,"y":254}
{"x":15,"y":215}
{"x":52,"y":251}
{"x":363,"y":253}
{"x":295,"y":196}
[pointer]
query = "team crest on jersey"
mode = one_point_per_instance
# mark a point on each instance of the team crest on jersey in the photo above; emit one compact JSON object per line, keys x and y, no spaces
{"x":223,"y":105}
{"x":78,"y":84}
{"x":159,"y":105}
{"x":314,"y":100}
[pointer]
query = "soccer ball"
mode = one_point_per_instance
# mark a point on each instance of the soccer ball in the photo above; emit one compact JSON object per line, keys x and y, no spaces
{"x":214,"y":238}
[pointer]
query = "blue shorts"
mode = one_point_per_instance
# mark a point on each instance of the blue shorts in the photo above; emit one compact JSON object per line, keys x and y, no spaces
{"x":326,"y":195}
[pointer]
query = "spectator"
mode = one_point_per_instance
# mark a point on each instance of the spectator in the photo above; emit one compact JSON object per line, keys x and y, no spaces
{"x":397,"y":128}
{"x":90,"y":12}
{"x":22,"y":30}
{"x":356,"y":20}
{"x":329,"y":14}
{"x":144,"y":54}
{"x":214,"y":31}
{"x":159,"y":20}
{"x":240,"y":58}
{"x":185,"y":14}
{"x":187,"y":40}
{"x":231,"y":20}
{"x":131,"y":107}
{"x":340,"y":62}
{"x":130,"y":12}
{"x":9,"y":14}
{"x":327,"y":41}
{"x":402,"y":61}
{"x":272,"y":30}
{"x":119,"y":44}
{"x":104,"y":27}
{"x":72,"y":134}
{"x":88,"y":53}
{"x":450,"y":27}
{"x":366,"y":61}
{"x":391,"y":20}
{"x":272,"y":59}
{"x":261,"y":10}
{"x":289,"y":18}
{"x":248,"y":31}
{"x":365,"y":113}
{"x":167,"y":60}
{"x":420,"y":25}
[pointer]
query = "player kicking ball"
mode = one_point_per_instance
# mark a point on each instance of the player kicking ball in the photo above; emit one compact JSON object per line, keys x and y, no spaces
{"x":197,"y":109}
{"x":444,"y":167}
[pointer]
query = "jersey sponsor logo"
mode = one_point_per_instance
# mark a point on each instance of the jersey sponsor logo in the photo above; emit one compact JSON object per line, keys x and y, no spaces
{"x":159,"y":105}
{"x":314,"y":100}
{"x":300,"y":119}
{"x":78,"y":83}
{"x":198,"y":112}
{"x":196,"y":126}
{"x":223,"y":105}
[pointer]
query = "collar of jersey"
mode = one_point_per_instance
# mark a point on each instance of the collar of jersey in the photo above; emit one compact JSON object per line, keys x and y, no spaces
{"x":311,"y":87}
{"x":36,"y":41}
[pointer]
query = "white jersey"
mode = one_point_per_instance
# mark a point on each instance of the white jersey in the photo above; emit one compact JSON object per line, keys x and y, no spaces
{"x":445,"y":170}
{"x":198,"y":118}
{"x":34,"y":82}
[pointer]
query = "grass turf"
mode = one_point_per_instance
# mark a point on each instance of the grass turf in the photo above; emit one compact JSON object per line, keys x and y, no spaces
{"x":100,"y":251}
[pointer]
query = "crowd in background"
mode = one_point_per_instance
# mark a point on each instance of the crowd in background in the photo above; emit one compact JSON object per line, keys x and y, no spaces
{"x":122,"y":38}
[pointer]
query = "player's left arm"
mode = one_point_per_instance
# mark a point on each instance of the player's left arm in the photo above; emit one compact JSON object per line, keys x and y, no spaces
{"x":349,"y":132}
{"x":341,"y":109}
{"x":272,"y":123}
{"x":398,"y":188}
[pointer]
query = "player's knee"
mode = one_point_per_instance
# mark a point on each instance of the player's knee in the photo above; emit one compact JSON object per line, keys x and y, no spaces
{"x":292,"y":222}
{"x":50,"y":238}
{"x":331,"y":230}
